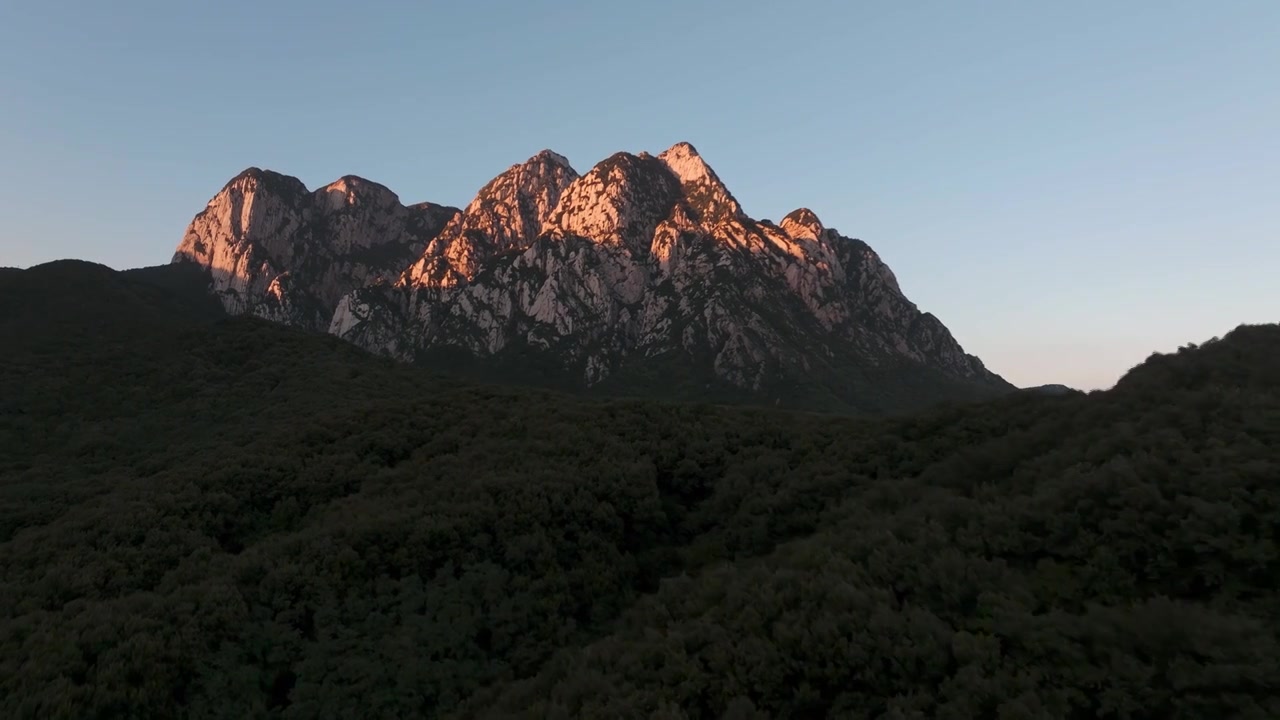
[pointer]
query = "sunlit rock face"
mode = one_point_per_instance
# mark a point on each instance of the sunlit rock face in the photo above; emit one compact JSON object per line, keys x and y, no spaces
{"x":642,"y":259}
{"x":508,"y":213}
{"x":278,"y":251}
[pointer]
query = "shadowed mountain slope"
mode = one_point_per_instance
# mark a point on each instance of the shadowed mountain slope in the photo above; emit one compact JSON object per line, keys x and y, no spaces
{"x":231,"y":518}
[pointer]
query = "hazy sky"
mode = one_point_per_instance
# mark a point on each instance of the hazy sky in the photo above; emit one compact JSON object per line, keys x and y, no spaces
{"x":1068,"y":186}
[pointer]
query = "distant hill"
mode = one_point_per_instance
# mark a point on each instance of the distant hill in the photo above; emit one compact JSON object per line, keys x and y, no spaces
{"x":206,"y":516}
{"x":1050,"y":390}
{"x":63,"y":304}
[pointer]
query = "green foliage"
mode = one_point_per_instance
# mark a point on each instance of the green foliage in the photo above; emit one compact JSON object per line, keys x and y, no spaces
{"x":232,"y":519}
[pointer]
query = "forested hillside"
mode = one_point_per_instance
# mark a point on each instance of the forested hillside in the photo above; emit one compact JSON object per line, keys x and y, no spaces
{"x":208,"y":517}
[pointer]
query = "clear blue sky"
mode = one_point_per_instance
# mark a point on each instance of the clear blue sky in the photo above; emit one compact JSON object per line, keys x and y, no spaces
{"x":1067,"y":185}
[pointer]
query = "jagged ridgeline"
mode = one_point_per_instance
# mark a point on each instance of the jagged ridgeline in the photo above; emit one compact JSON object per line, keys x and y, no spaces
{"x":643,"y":276}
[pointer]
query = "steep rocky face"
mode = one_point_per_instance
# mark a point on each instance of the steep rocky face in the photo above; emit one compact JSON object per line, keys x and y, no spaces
{"x":649,"y":261}
{"x":701,"y":186}
{"x":620,"y":202}
{"x":508,"y":213}
{"x":275,"y":250}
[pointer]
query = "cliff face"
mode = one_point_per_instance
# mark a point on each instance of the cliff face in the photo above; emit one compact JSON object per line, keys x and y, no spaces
{"x":643,"y":262}
{"x":277,"y":251}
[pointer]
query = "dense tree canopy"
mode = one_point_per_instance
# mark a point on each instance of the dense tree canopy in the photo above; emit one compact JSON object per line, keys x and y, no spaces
{"x":221,"y":518}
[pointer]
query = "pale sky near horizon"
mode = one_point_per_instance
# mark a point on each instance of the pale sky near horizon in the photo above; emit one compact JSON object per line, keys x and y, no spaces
{"x":1067,"y":186}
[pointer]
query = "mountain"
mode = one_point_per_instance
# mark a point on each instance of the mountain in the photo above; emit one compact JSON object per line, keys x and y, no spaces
{"x":275,"y":250}
{"x":642,"y":276}
{"x":205,"y":516}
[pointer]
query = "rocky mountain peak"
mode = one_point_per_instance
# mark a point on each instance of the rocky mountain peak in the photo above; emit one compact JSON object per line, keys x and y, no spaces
{"x":351,"y":190}
{"x":620,"y":201}
{"x":433,"y":215}
{"x":684,"y":161}
{"x":525,"y":193}
{"x":551,"y":156}
{"x":251,"y":202}
{"x":706,"y":194}
{"x":254,"y":180}
{"x":802,"y":223}
{"x":274,"y":249}
{"x":509,"y":212}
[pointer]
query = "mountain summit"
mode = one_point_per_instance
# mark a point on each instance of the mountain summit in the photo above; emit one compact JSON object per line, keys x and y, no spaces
{"x":643,"y":274}
{"x":275,"y":250}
